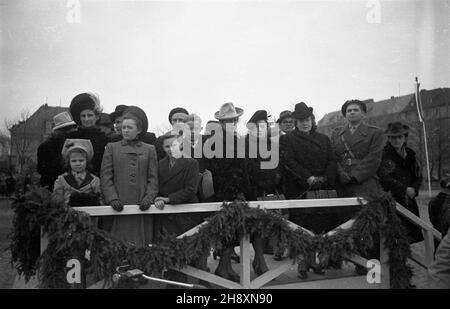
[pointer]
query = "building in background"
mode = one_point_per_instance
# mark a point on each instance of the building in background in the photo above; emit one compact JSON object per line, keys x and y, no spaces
{"x":436,"y":105}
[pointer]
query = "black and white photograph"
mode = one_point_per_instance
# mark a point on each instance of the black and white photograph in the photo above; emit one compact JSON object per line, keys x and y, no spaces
{"x":201,"y":145}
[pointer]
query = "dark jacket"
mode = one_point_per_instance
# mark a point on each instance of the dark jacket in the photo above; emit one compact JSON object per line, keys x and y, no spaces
{"x":178,"y":183}
{"x":304,"y":156}
{"x":366,"y":144}
{"x":263,"y":181}
{"x":49,"y":160}
{"x":439,"y":212}
{"x":439,"y":270}
{"x":98,"y":140}
{"x":396,"y":174}
{"x":230,"y":175}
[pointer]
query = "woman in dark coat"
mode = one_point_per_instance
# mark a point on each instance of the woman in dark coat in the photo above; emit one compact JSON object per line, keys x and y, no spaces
{"x":85,"y":109}
{"x":401,"y":175}
{"x":310,"y":165}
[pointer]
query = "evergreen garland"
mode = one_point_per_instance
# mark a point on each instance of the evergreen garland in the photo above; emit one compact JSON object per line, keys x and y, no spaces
{"x":71,"y":234}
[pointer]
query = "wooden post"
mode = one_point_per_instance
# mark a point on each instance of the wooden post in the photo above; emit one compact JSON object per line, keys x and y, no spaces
{"x":429,"y":247}
{"x":44,"y":241}
{"x":245,"y":261}
{"x":384,"y":264}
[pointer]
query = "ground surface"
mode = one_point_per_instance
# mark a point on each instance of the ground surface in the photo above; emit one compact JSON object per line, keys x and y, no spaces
{"x":8,"y":278}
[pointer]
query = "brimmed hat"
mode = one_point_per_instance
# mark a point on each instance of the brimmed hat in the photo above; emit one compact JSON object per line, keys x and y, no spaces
{"x":62,"y":120}
{"x":302,"y":111}
{"x":138,"y":113}
{"x":82,"y":102}
{"x":117,"y":112}
{"x":357,"y":102}
{"x":258,"y":116}
{"x":228,"y":111}
{"x":177,"y":110}
{"x":83,"y":144}
{"x":284,"y":115}
{"x":396,"y":129}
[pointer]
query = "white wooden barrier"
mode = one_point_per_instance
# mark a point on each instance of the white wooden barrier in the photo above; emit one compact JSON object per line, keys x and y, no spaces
{"x":283,"y":266}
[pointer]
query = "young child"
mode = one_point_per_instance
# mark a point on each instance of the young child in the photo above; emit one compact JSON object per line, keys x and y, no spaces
{"x":77,"y":187}
{"x":129,"y":176}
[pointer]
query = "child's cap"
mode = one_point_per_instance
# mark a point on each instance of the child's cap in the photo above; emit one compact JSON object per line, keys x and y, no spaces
{"x":83,"y":144}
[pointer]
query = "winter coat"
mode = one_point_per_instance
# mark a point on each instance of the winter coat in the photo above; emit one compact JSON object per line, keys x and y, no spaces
{"x":147,"y":137}
{"x":439,"y":211}
{"x":396,"y":174}
{"x":178,"y":183}
{"x":49,"y":160}
{"x":439,"y":270}
{"x":67,"y":188}
{"x":366,"y":144}
{"x":263,"y":181}
{"x":305,"y":155}
{"x":98,"y":140}
{"x":230,"y":175}
{"x":130,"y":173}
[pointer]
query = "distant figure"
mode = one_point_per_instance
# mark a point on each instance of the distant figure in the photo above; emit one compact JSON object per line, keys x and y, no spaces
{"x":439,"y":207}
{"x":10,"y":185}
{"x":286,"y":122}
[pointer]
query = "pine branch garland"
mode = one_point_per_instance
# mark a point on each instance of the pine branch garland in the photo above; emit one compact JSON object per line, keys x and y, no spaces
{"x":72,"y":234}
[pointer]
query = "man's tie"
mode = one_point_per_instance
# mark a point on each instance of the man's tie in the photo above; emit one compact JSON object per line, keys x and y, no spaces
{"x":352,"y":129}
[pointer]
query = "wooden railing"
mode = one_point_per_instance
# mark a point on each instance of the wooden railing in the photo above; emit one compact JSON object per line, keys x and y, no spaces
{"x":283,"y":266}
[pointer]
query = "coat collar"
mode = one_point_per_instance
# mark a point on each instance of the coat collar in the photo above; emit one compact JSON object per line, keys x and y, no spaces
{"x":311,"y":137}
{"x":73,"y":183}
{"x":132,"y":143}
{"x":166,"y":172}
{"x":360,"y":134}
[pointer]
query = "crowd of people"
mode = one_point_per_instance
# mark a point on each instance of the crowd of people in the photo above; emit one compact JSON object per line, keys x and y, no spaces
{"x":82,"y":166}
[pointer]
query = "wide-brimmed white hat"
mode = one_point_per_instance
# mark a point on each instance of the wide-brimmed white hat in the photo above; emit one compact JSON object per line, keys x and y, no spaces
{"x":63,"y":120}
{"x":83,"y":144}
{"x":228,"y":111}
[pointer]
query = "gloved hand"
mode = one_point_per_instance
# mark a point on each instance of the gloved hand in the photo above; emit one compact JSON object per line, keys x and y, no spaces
{"x":117,"y":205}
{"x":144,"y":205}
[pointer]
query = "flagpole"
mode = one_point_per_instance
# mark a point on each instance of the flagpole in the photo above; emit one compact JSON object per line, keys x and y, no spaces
{"x":422,"y":120}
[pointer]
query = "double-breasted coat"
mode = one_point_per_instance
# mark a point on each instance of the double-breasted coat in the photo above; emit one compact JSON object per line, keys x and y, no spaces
{"x":302,"y":156}
{"x":396,"y":175}
{"x":130,"y":173}
{"x":179,"y":183}
{"x":366,"y":144}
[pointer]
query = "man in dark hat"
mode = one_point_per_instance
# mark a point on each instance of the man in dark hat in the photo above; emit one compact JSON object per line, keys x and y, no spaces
{"x":176,"y":115}
{"x":286,"y":122}
{"x":358,"y":148}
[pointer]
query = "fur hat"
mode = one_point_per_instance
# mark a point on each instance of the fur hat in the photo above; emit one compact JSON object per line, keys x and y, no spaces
{"x":82,"y":102}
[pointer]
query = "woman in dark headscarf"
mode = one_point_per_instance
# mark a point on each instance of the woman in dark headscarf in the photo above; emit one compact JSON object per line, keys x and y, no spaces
{"x":400,"y":174}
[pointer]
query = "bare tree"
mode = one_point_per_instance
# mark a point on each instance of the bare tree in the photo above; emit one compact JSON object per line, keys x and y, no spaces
{"x":21,"y":132}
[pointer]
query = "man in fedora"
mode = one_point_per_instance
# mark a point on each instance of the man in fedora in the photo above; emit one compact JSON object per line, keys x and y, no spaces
{"x":50,"y":164}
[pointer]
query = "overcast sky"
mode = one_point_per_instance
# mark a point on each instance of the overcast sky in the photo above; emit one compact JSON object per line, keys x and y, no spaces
{"x":200,"y":54}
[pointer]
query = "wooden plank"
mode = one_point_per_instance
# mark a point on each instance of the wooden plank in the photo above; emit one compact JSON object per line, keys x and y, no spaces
{"x":417,"y":221}
{"x":193,"y":230}
{"x":429,"y":247}
{"x":206,"y":207}
{"x":357,"y":259}
{"x":245,"y":261}
{"x":272,"y":274}
{"x":294,"y":226}
{"x":418,"y":259}
{"x":44,"y":241}
{"x":343,"y":226}
{"x":206,"y":276}
{"x":353,"y":282}
{"x":384,"y":263}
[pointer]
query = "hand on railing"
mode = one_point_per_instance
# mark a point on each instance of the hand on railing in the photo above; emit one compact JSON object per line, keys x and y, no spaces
{"x":117,"y":205}
{"x":144,"y":205}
